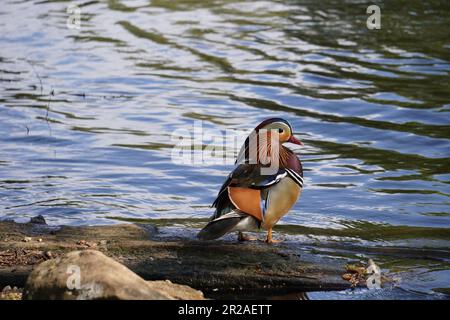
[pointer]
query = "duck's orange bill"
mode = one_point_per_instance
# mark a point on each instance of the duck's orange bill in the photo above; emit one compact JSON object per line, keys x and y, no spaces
{"x":247,"y":200}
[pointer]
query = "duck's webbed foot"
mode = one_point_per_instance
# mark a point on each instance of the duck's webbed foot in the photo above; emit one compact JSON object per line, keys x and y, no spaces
{"x":269,"y":239}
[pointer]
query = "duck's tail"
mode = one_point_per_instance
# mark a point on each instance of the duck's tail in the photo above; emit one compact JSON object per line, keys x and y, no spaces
{"x":221,"y":226}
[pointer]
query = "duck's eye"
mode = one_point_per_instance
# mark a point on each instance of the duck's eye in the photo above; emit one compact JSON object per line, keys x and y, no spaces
{"x":280,"y":130}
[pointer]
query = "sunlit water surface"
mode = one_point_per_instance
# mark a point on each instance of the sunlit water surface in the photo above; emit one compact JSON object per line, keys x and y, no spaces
{"x":87,"y":115}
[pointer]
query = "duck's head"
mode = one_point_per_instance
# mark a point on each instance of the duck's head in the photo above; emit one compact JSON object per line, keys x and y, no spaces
{"x":282,"y":126}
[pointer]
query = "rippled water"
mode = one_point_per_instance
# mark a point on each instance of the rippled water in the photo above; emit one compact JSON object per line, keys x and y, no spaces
{"x":86,"y":115}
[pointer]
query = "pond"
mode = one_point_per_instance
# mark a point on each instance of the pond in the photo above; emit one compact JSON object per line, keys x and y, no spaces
{"x":89,"y":108}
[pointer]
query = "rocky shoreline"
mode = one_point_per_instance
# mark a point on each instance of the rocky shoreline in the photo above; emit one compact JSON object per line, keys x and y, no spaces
{"x":218,"y":269}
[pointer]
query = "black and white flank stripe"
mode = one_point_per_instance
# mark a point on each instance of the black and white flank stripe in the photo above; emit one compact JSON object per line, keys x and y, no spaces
{"x":295,"y":176}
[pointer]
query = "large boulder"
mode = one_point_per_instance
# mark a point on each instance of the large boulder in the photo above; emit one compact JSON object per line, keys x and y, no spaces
{"x":177,"y":291}
{"x":89,"y":274}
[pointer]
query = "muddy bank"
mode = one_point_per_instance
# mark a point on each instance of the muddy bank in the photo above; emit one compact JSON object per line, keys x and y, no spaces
{"x":218,"y":268}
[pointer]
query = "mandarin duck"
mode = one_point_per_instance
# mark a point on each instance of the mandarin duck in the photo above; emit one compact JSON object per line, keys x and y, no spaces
{"x":264,"y":185}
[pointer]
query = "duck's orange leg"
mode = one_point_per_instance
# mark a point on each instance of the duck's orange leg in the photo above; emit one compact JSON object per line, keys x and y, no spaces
{"x":269,"y":239}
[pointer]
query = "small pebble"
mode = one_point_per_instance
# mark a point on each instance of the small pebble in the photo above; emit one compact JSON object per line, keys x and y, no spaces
{"x":39,"y":240}
{"x":347,"y":276}
{"x":86,"y":243}
{"x":27,"y":239}
{"x":6,"y":289}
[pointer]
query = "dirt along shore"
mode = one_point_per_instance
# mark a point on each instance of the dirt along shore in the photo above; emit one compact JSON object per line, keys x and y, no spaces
{"x":218,"y":268}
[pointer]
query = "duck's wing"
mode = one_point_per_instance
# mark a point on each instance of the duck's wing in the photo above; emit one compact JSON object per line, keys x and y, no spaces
{"x":244,"y":190}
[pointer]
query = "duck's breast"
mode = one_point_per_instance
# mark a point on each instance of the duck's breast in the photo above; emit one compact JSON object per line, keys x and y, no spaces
{"x":282,"y":197}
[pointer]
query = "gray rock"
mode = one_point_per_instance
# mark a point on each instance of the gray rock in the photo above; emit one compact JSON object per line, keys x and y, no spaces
{"x":87,"y":275}
{"x":38,"y":220}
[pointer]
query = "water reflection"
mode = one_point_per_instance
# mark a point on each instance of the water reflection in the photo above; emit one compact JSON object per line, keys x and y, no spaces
{"x":371,"y":106}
